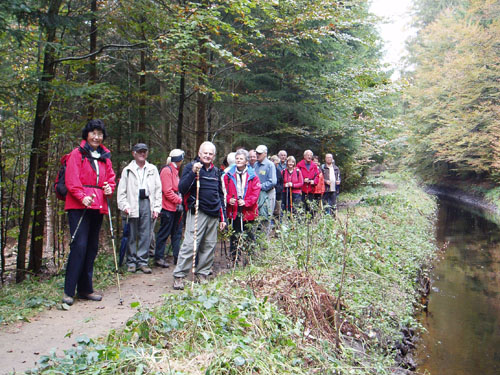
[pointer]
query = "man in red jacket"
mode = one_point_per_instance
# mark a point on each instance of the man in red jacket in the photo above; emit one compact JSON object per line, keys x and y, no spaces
{"x":310,"y":173}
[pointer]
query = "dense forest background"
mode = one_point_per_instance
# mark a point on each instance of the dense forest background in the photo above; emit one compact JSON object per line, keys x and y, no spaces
{"x":289,"y":74}
{"x":452,"y":99}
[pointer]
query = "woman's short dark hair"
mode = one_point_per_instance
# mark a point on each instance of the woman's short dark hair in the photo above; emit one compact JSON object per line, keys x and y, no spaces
{"x":94,"y":125}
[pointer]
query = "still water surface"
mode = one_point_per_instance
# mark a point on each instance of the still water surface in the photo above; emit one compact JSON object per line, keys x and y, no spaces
{"x":463,"y":319}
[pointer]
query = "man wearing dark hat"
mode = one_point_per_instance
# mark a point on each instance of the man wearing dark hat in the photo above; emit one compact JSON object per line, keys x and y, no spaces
{"x":139,"y":198}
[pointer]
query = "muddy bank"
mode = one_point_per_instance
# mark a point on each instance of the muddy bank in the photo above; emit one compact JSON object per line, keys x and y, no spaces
{"x":469,"y":198}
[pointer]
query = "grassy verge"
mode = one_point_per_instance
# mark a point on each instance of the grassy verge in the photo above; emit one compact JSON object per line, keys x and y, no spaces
{"x":323,"y":296}
{"x":20,"y":302}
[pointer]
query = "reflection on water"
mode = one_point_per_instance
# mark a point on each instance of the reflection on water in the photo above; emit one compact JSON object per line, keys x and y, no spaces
{"x":463,"y":319}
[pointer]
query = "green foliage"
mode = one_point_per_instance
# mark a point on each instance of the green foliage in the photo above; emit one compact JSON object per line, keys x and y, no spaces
{"x":453,"y":99}
{"x":387,"y":244}
{"x":224,"y":328}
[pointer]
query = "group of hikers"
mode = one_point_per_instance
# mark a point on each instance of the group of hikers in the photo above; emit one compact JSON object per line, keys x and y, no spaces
{"x":204,"y":199}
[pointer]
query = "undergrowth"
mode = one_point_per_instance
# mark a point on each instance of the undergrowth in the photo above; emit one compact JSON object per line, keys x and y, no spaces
{"x":355,"y":276}
{"x":20,"y":302}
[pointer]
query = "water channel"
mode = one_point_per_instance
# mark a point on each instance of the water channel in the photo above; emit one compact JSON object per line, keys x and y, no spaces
{"x":463,"y":318}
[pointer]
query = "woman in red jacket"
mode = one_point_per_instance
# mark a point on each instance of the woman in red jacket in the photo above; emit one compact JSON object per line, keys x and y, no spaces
{"x":171,"y":222}
{"x":243,"y":189}
{"x":292,"y":186}
{"x":90,"y":180}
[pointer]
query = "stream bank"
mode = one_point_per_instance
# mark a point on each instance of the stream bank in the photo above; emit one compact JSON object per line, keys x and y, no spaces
{"x":326,"y":296}
{"x":462,"y":321}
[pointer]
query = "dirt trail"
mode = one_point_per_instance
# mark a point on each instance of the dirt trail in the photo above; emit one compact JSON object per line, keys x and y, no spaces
{"x":22,"y":344}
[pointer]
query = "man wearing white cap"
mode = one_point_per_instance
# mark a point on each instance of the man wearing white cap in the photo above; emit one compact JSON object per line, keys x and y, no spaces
{"x":266,"y":171}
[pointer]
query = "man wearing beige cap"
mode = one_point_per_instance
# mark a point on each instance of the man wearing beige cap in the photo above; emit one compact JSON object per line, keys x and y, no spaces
{"x":266,"y":171}
{"x":139,"y":198}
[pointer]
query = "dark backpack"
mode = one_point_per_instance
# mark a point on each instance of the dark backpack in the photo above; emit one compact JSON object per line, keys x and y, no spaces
{"x":60,"y":184}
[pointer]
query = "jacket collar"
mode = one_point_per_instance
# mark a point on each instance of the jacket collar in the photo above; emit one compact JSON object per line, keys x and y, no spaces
{"x":250,"y":171}
{"x":86,"y":150}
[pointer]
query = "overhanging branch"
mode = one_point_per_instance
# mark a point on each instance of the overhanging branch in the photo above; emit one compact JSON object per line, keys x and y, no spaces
{"x":100,"y":50}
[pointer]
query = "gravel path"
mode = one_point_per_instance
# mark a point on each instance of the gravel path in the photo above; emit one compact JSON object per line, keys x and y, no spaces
{"x":22,"y":344}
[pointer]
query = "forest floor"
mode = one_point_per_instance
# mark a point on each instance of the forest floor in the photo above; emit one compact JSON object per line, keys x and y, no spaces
{"x":23,"y":343}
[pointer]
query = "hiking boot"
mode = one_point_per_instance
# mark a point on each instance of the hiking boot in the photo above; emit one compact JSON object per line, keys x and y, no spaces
{"x":178,"y":283}
{"x":131,"y":268}
{"x":161,"y":263}
{"x":202,"y":279}
{"x":67,"y":299}
{"x":145,"y":269}
{"x":91,"y":297}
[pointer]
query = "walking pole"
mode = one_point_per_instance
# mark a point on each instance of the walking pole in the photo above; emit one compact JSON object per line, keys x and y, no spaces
{"x":291,"y":203}
{"x":80,"y":221}
{"x":240,"y":240}
{"x":195,"y":234}
{"x":114,"y":252}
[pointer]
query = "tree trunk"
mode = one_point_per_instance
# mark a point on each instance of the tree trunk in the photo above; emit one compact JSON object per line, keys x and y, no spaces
{"x":142,"y":98}
{"x":182,"y":100}
{"x":39,"y":146}
{"x":92,"y":49}
{"x":201,"y":106}
{"x":2,"y":206}
{"x":201,"y":102}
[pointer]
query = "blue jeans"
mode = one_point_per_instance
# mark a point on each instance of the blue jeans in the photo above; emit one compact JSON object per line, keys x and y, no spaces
{"x":170,"y":225}
{"x":83,"y":250}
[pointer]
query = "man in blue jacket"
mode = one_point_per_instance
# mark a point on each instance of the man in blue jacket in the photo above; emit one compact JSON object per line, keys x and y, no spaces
{"x":210,"y":215}
{"x":266,"y":170}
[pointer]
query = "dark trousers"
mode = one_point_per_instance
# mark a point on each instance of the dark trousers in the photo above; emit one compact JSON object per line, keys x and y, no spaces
{"x":290,"y":204}
{"x":83,"y":251}
{"x":330,"y":201}
{"x":171,"y":224}
{"x":307,"y":199}
{"x":235,"y":237}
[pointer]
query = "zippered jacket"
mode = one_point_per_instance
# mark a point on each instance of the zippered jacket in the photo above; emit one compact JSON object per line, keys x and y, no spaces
{"x":128,"y":189}
{"x":211,"y":195}
{"x":169,"y":177}
{"x":251,"y":193}
{"x":312,"y":174}
{"x":295,"y":178}
{"x":320,"y":187}
{"x":266,"y":171}
{"x":81,"y":178}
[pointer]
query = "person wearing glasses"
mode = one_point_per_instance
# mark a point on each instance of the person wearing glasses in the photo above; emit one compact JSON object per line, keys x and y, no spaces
{"x":139,"y":198}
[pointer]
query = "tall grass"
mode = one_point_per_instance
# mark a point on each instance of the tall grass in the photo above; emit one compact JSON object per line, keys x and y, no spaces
{"x":239,"y":324}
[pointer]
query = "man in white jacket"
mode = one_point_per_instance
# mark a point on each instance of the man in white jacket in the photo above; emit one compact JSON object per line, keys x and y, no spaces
{"x":139,"y":198}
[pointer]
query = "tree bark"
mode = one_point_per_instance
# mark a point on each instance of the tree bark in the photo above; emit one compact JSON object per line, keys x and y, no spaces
{"x":92,"y":49}
{"x":39,"y":147}
{"x":2,"y":205}
{"x":142,"y":98}
{"x":180,"y":116}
